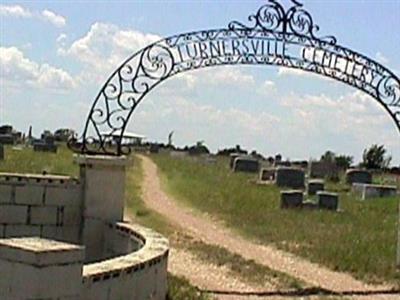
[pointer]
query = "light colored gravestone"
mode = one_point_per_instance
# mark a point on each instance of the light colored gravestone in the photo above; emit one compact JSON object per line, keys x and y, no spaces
{"x":314,"y":186}
{"x":246,"y":164}
{"x":328,"y":200}
{"x":1,"y":152}
{"x":289,"y":177}
{"x":323,"y":169}
{"x":291,"y":199}
{"x":358,"y":176}
{"x":267,"y":174}
{"x":377,"y":191}
{"x":357,"y":188}
{"x":232,"y":158}
{"x":36,"y":268}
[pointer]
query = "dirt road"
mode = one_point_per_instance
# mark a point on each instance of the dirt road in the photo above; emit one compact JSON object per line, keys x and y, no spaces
{"x":213,"y":232}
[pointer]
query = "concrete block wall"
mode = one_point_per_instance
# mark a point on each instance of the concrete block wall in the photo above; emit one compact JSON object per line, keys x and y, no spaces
{"x":140,"y":274}
{"x":35,"y":268}
{"x":123,"y":261}
{"x":43,"y":269}
{"x":47,"y":206}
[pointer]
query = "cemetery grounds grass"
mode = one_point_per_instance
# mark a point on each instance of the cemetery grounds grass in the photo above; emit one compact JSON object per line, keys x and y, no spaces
{"x":25,"y":160}
{"x":360,"y":239}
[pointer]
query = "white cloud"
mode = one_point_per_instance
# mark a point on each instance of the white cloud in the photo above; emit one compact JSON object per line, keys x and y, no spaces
{"x":193,"y":121}
{"x":354,"y":115}
{"x":267,"y":88}
{"x":284,"y":71}
{"x":22,"y":12}
{"x":381,"y":58}
{"x":61,"y":38}
{"x":103,"y":48}
{"x":14,"y":11}
{"x":19,"y":70}
{"x":53,"y":18}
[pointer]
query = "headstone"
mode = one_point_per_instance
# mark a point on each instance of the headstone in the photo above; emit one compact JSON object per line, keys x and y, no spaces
{"x":42,"y":146}
{"x":323,"y":169}
{"x":267,"y":174}
{"x":291,"y":199}
{"x":289,"y":177}
{"x":232,"y":158}
{"x":374,"y":190}
{"x":357,"y":188}
{"x":327,"y":200}
{"x":246,"y":164}
{"x":308,"y":204}
{"x":358,"y":176}
{"x":315,"y":185}
{"x":1,"y":152}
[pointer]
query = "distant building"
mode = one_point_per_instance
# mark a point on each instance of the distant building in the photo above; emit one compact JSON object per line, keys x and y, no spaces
{"x":128,"y":139}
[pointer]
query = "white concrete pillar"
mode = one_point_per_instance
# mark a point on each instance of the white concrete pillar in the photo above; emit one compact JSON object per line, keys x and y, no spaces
{"x":36,"y":268}
{"x":103,"y":179}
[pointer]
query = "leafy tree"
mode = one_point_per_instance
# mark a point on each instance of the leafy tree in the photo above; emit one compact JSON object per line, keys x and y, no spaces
{"x":197,"y":149}
{"x":228,"y":151}
{"x":375,"y":157}
{"x":344,"y":161}
{"x":329,"y":156}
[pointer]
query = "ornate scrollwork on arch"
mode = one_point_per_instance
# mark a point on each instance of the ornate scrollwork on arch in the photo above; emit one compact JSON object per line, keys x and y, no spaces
{"x":273,"y":17}
{"x":276,"y":36}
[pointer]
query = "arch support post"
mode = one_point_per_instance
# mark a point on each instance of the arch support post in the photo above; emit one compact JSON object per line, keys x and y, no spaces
{"x":103,"y":180}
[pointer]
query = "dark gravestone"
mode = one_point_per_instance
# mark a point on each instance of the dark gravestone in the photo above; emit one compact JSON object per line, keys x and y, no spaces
{"x":328,"y":200}
{"x":45,"y":145}
{"x":246,"y":164}
{"x":323,"y":169}
{"x":267,"y":174}
{"x":358,"y":176}
{"x":291,"y":199}
{"x":314,"y":186}
{"x":289,"y":177}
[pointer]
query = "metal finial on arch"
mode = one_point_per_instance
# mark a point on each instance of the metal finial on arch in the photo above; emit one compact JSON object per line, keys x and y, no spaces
{"x":276,"y":36}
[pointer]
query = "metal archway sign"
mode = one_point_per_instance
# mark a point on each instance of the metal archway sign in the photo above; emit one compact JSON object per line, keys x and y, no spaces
{"x":275,"y":36}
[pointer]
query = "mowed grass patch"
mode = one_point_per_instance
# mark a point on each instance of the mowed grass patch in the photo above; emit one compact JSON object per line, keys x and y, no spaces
{"x":361,"y":239}
{"x":25,"y":160}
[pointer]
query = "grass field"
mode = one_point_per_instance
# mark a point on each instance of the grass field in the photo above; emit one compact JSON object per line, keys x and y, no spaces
{"x":361,"y":239}
{"x":28,"y":161}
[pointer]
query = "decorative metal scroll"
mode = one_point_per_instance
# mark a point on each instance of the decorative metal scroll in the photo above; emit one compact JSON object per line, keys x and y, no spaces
{"x":275,"y":36}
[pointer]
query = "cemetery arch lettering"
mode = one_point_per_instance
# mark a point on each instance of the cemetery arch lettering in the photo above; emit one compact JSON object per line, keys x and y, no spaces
{"x":274,"y":36}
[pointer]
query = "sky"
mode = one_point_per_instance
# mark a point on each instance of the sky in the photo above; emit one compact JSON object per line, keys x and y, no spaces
{"x":56,"y":55}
